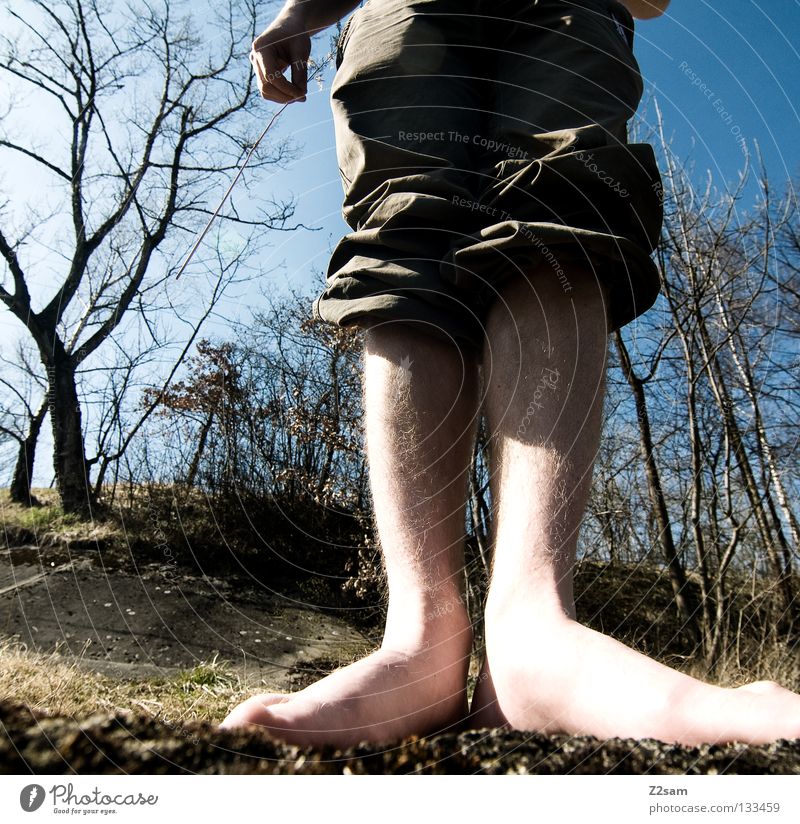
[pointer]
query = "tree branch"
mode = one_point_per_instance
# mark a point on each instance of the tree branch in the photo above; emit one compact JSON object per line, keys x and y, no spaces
{"x":38,"y":158}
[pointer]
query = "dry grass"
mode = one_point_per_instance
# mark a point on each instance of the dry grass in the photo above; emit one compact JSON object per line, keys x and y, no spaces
{"x":49,"y":521}
{"x":62,"y":685}
{"x":771,"y":661}
{"x":57,"y":684}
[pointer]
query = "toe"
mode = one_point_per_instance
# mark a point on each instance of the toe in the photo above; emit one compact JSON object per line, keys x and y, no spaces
{"x":763,"y":688}
{"x":254,"y":711}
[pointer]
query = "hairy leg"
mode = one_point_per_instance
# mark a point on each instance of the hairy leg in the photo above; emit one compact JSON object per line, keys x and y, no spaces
{"x":544,"y":367}
{"x":421,"y":406}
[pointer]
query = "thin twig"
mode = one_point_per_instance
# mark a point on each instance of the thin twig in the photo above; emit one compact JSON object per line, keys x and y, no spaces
{"x":235,"y":181}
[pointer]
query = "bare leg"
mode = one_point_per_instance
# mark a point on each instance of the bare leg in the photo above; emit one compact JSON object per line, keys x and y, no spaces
{"x":544,"y":368}
{"x":421,"y":406}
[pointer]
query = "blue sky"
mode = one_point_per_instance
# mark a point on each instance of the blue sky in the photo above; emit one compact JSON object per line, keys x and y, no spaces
{"x":722,"y":73}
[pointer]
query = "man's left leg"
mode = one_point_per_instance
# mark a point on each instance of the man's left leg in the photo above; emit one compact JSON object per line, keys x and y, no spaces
{"x":544,"y":367}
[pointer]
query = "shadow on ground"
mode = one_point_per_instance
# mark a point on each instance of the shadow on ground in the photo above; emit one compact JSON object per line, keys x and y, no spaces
{"x":152,"y":620}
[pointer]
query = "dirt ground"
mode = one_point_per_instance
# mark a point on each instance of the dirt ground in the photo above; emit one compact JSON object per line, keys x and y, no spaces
{"x":131,"y":621}
{"x":131,"y":744}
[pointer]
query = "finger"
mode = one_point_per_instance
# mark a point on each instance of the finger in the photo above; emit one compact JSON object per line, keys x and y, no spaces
{"x":300,"y":74}
{"x":267,"y":90}
{"x":273,"y":74}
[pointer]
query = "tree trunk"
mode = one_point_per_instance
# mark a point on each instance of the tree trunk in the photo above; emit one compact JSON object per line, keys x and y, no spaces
{"x":777,"y":560}
{"x":69,"y":457}
{"x":201,"y":446}
{"x":698,"y":503}
{"x":677,"y":574}
{"x":20,"y":489}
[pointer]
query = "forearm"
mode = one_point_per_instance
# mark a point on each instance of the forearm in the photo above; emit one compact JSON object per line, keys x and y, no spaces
{"x":646,"y":9}
{"x":317,"y":14}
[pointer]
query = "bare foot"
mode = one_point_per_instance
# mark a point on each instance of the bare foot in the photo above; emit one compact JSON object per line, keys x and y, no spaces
{"x":557,"y":676}
{"x":384,"y":697}
{"x":484,"y":711}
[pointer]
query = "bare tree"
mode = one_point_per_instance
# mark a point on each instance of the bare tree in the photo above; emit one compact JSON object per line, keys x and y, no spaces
{"x":658,"y":501}
{"x":713,"y":399}
{"x":716,"y":278}
{"x":22,"y":420}
{"x":156,"y":111}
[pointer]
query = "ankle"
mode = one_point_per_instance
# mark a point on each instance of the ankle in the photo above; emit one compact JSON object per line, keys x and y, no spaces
{"x":531,"y":611}
{"x":440,"y":628}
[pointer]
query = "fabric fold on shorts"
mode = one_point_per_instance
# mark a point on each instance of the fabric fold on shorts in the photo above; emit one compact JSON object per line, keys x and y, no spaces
{"x":588,"y":204}
{"x":481,"y":142}
{"x":389,"y":268}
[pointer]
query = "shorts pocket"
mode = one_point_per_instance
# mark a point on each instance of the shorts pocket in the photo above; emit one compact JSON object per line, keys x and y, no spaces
{"x":341,"y":43}
{"x":344,"y":36}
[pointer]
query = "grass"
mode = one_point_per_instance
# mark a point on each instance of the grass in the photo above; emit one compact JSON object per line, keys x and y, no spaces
{"x":211,"y":689}
{"x":269,"y":537}
{"x":48,"y":520}
{"x":60,"y":685}
{"x":768,"y":661}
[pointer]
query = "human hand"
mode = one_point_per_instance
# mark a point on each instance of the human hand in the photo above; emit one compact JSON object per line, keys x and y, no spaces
{"x":646,"y":9}
{"x":285,"y":43}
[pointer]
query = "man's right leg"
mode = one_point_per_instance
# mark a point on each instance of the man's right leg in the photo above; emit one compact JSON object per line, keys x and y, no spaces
{"x":421,"y":407}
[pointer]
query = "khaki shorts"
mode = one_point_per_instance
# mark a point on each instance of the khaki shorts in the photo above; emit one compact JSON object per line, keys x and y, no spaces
{"x":481,"y":139}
